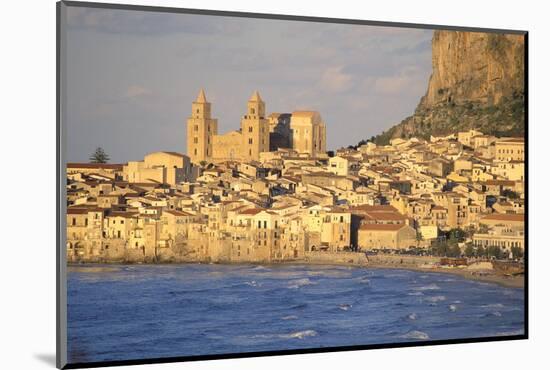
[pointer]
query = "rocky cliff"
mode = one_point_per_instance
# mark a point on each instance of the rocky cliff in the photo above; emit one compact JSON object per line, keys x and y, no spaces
{"x":477,"y":82}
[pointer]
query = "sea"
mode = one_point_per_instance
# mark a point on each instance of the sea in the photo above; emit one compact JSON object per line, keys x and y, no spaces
{"x":132,"y":312}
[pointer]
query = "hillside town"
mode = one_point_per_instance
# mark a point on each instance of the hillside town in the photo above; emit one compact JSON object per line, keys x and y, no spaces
{"x":270,"y":192}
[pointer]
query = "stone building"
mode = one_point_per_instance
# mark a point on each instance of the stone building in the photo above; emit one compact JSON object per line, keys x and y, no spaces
{"x":302,"y":131}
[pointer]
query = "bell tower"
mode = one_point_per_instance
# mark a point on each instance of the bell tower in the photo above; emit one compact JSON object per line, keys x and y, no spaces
{"x":200,"y":129}
{"x":254,"y":129}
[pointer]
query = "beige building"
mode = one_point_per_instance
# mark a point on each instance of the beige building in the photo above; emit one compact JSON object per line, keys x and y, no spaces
{"x":386,"y":236}
{"x":201,"y":127}
{"x":510,"y":149}
{"x":338,"y":166}
{"x":160,"y":167}
{"x":308,"y":133}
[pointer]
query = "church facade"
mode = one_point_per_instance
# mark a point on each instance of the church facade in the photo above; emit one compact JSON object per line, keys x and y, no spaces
{"x":303,"y":131}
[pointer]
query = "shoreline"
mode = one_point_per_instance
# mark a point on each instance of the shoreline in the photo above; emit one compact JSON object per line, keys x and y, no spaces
{"x":486,"y":276}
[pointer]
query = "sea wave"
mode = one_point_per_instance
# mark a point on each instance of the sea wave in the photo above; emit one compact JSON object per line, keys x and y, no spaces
{"x":344,"y":306}
{"x":295,"y":284}
{"x":415,"y":334}
{"x":299,"y":334}
{"x":253,"y":283}
{"x":435,"y":299}
{"x":452,"y":308}
{"x":294,"y":335}
{"x":412,"y":316}
{"x":427,"y":287}
{"x":289,"y":317}
{"x":415,"y":293}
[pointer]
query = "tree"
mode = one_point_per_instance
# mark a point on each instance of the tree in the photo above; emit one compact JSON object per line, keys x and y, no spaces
{"x":517,"y":252}
{"x":469,"y":251}
{"x":494,"y":251}
{"x":481,"y":251}
{"x":457,"y":235}
{"x":99,"y":156}
{"x":419,"y":237}
{"x":510,"y":194}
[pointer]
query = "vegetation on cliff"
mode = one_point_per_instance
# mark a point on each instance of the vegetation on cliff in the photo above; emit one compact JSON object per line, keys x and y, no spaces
{"x":477,"y":82}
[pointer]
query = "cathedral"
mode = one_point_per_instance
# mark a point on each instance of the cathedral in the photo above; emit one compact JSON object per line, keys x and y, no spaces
{"x":303,"y":131}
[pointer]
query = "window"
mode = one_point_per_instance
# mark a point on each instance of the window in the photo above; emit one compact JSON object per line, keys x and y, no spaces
{"x":252,"y":111}
{"x":265,"y":224}
{"x":121,"y":221}
{"x":195,"y":151}
{"x":196,"y":140}
{"x":86,"y":222}
{"x":74,"y":221}
{"x":198,"y":110}
{"x":250,"y":129}
{"x":249,"y":141}
{"x":196,"y":128}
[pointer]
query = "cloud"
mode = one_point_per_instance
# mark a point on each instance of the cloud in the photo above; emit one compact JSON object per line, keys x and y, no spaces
{"x":336,"y":81}
{"x":135,"y":91}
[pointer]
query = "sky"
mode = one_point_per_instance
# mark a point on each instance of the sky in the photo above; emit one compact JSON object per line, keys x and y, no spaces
{"x":132,"y":76}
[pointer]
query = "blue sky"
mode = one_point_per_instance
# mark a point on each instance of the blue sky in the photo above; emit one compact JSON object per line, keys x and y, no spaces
{"x":132,"y":75}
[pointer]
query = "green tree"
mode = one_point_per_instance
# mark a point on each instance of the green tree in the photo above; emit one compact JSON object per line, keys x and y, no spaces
{"x":481,"y":251}
{"x":517,"y":252}
{"x":469,"y":251}
{"x":454,"y":251}
{"x":99,"y":156}
{"x":495,"y":251}
{"x":457,"y":234}
{"x":419,"y":237}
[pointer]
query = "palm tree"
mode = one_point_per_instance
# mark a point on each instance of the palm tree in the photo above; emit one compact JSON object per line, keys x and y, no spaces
{"x":99,"y":156}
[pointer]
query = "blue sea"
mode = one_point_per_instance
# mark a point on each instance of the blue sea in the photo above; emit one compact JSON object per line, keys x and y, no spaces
{"x":153,"y":311}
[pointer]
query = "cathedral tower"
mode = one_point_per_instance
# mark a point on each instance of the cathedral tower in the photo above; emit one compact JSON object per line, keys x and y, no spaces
{"x":200,"y":129}
{"x":255,"y":129}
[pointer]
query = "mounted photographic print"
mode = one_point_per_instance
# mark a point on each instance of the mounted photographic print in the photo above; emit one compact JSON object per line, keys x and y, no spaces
{"x":237,"y":184}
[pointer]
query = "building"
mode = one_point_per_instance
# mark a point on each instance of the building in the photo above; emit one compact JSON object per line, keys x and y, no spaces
{"x":386,"y":236}
{"x":510,"y":149}
{"x":201,"y":127}
{"x":308,"y":133}
{"x":160,"y":167}
{"x":302,"y":131}
{"x":504,"y":237}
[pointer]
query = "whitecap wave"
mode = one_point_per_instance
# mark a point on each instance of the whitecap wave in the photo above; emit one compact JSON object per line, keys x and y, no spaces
{"x":299,"y":334}
{"x":435,"y":299}
{"x":412,"y":316}
{"x":295,"y":284}
{"x":427,"y":287}
{"x":415,"y":334}
{"x":260,"y":268}
{"x":415,"y":293}
{"x":289,"y":317}
{"x":253,"y":283}
{"x":452,"y":308}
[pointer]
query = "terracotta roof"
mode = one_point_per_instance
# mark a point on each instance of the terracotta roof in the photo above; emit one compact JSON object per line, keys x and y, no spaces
{"x":105,"y":166}
{"x":177,"y":213}
{"x":252,"y":211}
{"x":382,"y":227}
{"x":505,"y":217}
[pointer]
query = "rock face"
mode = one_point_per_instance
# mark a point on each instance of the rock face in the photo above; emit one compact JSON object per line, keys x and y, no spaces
{"x":477,"y":82}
